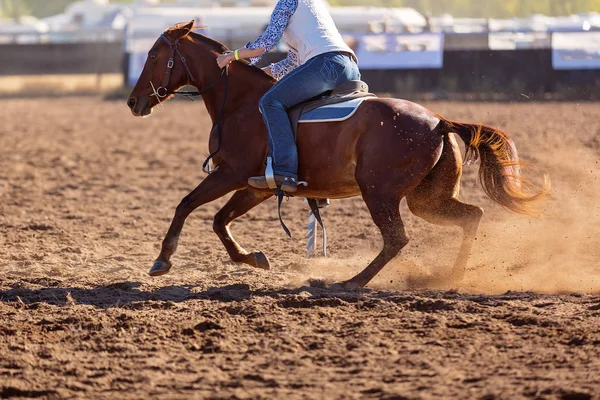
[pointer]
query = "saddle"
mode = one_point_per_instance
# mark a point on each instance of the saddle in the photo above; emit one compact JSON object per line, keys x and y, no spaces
{"x":352,"y":92}
{"x":349,"y":90}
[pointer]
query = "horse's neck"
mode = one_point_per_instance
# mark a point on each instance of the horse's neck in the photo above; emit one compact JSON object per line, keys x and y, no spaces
{"x":244,"y":86}
{"x":241,"y":87}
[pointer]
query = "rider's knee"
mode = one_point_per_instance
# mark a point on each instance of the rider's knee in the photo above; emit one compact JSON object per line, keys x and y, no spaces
{"x":268,"y":100}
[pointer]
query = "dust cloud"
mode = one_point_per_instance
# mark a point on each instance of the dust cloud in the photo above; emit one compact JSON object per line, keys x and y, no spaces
{"x":556,"y":252}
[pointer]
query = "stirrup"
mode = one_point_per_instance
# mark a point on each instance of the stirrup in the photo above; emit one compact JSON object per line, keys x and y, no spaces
{"x":288,"y":180}
{"x":269,"y":175}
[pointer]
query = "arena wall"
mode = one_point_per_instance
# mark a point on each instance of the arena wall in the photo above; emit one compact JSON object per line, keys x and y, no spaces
{"x":61,"y":58}
{"x":474,"y":70}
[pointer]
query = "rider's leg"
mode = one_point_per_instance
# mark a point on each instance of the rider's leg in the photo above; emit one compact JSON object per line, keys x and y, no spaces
{"x":319,"y":74}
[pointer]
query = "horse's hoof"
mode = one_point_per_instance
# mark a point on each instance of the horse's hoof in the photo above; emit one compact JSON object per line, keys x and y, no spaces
{"x":160,"y":268}
{"x":261,"y":261}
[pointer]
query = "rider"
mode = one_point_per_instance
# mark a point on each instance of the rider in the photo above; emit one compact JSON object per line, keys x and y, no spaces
{"x":320,"y":61}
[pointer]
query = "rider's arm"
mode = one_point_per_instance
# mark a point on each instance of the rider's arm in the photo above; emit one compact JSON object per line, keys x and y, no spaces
{"x":246,"y":53}
{"x":279,"y":69}
{"x":279,"y":21}
{"x":225,"y":58}
{"x":273,"y":33}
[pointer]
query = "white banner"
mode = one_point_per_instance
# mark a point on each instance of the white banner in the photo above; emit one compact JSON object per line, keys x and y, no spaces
{"x":576,"y":50}
{"x":395,"y":51}
{"x":518,"y":40}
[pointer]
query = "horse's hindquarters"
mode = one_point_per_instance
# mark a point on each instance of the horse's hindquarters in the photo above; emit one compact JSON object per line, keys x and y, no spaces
{"x":384,"y":141}
{"x":399,"y":148}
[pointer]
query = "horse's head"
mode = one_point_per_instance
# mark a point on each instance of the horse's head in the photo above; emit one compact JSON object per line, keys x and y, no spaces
{"x":165,"y":71}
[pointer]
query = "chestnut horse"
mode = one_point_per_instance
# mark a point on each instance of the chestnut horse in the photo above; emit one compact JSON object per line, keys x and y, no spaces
{"x":388,"y":150}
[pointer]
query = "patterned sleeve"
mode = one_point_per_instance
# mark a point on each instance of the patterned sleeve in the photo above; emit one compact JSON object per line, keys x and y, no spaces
{"x":279,"y":21}
{"x":285,"y":66}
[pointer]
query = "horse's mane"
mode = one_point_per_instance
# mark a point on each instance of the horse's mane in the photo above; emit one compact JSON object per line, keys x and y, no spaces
{"x":220,"y":48}
{"x":210,"y":43}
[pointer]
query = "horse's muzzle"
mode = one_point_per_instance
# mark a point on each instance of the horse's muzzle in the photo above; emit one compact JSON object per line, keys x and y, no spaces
{"x":132,"y":102}
{"x":138,"y":108}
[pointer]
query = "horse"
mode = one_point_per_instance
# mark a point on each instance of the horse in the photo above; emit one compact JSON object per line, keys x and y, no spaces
{"x":388,"y":150}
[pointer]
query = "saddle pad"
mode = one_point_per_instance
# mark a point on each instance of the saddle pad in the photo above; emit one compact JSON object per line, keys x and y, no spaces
{"x":332,"y":112}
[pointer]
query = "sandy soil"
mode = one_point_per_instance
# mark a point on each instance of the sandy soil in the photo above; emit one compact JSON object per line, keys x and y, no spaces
{"x":87,"y":193}
{"x":35,"y":85}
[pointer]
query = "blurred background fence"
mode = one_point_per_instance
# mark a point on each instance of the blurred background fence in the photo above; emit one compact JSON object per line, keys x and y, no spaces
{"x":402,"y":53}
{"x":517,"y":73}
{"x":62,"y":58}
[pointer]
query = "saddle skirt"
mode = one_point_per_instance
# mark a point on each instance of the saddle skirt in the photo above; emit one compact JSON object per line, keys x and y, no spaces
{"x":332,"y":112}
{"x":335,"y":106}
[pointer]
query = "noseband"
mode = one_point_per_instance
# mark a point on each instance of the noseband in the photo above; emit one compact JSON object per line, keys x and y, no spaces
{"x":174,"y":46}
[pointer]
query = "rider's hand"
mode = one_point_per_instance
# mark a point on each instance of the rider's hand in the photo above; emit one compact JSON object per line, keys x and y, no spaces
{"x":224,"y":59}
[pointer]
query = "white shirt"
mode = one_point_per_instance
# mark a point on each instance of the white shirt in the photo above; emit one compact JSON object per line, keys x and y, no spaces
{"x":307,"y":28}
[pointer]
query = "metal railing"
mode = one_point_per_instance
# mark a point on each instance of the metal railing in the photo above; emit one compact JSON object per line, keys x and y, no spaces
{"x":63,"y":36}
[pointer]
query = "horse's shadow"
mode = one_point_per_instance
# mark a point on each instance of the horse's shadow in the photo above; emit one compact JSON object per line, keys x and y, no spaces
{"x":316,"y":293}
{"x":128,"y":294}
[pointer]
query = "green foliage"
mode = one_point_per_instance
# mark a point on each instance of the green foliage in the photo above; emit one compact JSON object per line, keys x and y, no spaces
{"x":485,"y":8}
{"x":38,"y":8}
{"x":19,"y":8}
{"x":458,"y":8}
{"x":13,"y":8}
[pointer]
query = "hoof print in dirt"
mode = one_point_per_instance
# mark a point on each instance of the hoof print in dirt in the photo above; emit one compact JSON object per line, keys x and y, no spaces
{"x":346,"y":286}
{"x":334,"y":286}
{"x":319,"y":283}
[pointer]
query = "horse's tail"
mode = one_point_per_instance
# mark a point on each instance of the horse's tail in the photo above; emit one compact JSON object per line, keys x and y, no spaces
{"x":500,"y":170}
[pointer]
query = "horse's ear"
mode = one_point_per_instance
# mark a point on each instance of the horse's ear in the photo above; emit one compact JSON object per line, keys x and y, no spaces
{"x":188,"y":27}
{"x":181,"y":29}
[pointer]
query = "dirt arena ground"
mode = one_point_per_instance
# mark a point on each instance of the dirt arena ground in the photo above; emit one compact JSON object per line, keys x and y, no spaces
{"x":87,"y":193}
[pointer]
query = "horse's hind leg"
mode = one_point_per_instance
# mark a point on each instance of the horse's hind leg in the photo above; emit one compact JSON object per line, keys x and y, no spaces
{"x":436,"y":201}
{"x":240,"y":203}
{"x":385,"y":212}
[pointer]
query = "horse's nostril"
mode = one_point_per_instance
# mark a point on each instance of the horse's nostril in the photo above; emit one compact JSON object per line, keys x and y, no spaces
{"x":131,"y":102}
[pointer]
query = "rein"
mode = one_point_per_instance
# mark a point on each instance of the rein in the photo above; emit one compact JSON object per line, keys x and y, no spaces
{"x":174,"y":46}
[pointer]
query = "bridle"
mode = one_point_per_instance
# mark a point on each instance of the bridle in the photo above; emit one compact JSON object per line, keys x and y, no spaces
{"x":163,"y":92}
{"x":174,"y":46}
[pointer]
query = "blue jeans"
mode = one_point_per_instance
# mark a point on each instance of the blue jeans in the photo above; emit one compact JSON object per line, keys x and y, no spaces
{"x":319,"y":74}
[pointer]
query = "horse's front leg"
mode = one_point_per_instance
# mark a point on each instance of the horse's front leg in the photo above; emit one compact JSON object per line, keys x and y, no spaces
{"x":239,"y":204}
{"x":214,"y":186}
